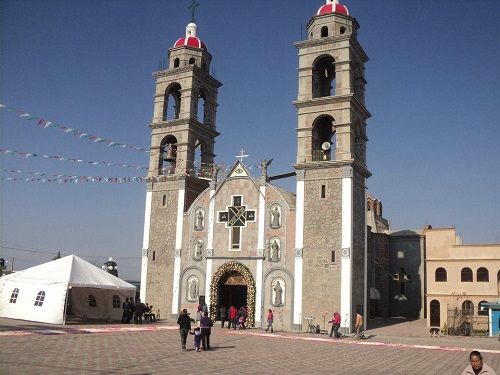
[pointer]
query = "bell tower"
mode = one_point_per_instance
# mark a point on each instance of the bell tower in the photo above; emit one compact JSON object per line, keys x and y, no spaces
{"x":331,"y":167}
{"x":181,"y":163}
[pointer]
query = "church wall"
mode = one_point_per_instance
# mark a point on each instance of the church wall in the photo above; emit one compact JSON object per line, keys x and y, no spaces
{"x":250,"y":193}
{"x":322,"y":235}
{"x":162,"y":246}
{"x":358,"y":248}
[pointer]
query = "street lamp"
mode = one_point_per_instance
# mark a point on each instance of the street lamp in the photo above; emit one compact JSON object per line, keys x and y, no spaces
{"x":111,"y":267}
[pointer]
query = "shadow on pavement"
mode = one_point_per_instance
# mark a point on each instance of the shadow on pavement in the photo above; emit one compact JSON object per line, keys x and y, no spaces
{"x":385,"y":322}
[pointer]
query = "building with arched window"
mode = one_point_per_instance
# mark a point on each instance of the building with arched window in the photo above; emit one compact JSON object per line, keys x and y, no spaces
{"x":459,"y":277}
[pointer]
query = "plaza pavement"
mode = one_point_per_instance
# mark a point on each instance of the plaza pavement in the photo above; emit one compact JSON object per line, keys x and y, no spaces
{"x":34,"y":348}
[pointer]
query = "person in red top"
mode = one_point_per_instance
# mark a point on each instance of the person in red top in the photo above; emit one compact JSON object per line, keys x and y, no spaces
{"x":270,"y":319}
{"x":232,"y":317}
{"x":335,"y":325}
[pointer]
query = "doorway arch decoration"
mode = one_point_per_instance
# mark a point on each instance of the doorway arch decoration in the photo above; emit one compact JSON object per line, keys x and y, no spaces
{"x":215,"y":285}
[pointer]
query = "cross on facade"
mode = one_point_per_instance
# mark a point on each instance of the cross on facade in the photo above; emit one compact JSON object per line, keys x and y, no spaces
{"x":235,"y":218}
{"x":193,"y":9}
{"x":241,"y":155}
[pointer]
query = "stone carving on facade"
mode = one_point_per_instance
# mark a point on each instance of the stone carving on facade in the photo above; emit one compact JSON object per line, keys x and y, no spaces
{"x":192,"y":289}
{"x":278,"y":292}
{"x":275,"y":216}
{"x":198,"y":250}
{"x":199,"y":221}
{"x":274,"y":249}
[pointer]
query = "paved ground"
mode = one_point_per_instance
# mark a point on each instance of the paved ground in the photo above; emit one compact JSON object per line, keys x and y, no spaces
{"x":31,"y":348}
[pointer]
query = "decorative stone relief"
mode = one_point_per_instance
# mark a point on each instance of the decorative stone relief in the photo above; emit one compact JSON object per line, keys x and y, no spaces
{"x":192,"y":289}
{"x":275,"y":218}
{"x":198,"y":249}
{"x":278,"y":292}
{"x":274,"y":249}
{"x":199,"y":219}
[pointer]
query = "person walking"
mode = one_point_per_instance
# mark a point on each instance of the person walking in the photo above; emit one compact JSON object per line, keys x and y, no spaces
{"x":223,"y":315}
{"x":125,"y":311}
{"x":359,"y":324}
{"x":197,"y":338}
{"x":476,"y":366}
{"x":206,"y":325}
{"x":335,"y":325}
{"x":270,"y":319}
{"x":184,"y":323}
{"x":232,"y":317}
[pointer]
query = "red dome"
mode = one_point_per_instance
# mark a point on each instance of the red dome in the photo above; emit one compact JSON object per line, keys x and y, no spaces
{"x":328,"y":8}
{"x":191,"y":41}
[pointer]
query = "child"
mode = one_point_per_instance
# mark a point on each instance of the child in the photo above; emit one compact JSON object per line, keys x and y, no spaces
{"x":197,"y":338}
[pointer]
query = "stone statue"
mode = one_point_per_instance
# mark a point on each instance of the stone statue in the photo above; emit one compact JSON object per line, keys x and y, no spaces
{"x":275,"y":217}
{"x":193,"y":289}
{"x":278,"y":294}
{"x":275,"y":248}
{"x":199,"y":220}
{"x":198,"y":249}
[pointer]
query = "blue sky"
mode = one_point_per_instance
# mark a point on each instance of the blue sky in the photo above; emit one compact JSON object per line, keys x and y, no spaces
{"x":433,"y":92}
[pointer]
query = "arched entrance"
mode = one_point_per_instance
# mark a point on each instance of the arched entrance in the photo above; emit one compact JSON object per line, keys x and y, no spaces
{"x":435,"y":313}
{"x":233,"y":284}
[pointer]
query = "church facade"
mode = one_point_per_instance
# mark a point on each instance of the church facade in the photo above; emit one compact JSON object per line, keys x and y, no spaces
{"x":241,"y":240}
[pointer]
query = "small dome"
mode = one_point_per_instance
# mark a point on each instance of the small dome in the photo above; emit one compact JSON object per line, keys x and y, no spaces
{"x":191,"y":41}
{"x":329,"y":8}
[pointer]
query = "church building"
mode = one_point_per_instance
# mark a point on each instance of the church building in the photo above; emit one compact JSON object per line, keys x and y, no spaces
{"x":241,"y":240}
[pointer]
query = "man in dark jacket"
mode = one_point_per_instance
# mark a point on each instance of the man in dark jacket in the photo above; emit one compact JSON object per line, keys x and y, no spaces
{"x":184,"y":323}
{"x":125,"y":310}
{"x":206,"y":325}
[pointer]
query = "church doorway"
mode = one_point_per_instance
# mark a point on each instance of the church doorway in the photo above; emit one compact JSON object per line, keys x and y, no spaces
{"x":233,"y":285}
{"x":233,"y":295}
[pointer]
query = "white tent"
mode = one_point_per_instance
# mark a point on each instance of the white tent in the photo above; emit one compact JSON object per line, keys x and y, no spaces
{"x":42,"y":293}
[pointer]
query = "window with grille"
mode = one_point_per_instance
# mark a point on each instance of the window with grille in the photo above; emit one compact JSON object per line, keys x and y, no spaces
{"x":92,"y":301}
{"x":40,"y":298}
{"x":483,"y":275}
{"x":13,"y":296}
{"x":466,"y":275}
{"x":116,"y":302}
{"x":441,"y":274}
{"x":468,"y":307}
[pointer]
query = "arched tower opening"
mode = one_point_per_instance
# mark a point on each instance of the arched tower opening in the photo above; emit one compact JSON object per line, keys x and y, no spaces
{"x":172,"y":102}
{"x":323,"y":139}
{"x":168,"y":155}
{"x":202,"y":107}
{"x":323,"y":76}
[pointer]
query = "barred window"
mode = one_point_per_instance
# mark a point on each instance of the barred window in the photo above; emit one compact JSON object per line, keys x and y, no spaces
{"x":92,"y":301}
{"x":13,"y":296}
{"x":441,"y":274}
{"x":482,"y":310}
{"x":468,"y":307}
{"x":40,"y":298}
{"x":483,"y":275}
{"x":116,"y":302}
{"x":466,"y":275}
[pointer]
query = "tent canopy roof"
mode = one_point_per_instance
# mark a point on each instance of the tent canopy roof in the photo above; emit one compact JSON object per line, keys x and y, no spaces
{"x":72,"y":271}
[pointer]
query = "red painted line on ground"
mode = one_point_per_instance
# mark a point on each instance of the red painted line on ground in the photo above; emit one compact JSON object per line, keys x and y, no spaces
{"x":364,"y":342}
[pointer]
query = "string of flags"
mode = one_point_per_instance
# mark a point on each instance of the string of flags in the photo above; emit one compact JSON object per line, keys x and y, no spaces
{"x":61,"y":158}
{"x":76,"y":179}
{"x":44,"y":123}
